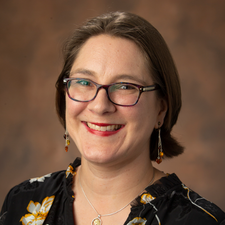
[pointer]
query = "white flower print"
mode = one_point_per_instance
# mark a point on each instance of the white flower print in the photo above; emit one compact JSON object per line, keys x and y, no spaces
{"x":137,"y":221}
{"x":38,"y":212}
{"x":69,"y":170}
{"x":40,"y":179}
{"x":146,"y":198}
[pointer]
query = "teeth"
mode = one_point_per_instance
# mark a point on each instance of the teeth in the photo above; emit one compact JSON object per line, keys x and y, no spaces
{"x":103,"y":128}
{"x":110,"y":128}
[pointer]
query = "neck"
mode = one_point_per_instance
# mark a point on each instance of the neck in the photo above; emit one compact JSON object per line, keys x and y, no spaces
{"x":114,"y":185}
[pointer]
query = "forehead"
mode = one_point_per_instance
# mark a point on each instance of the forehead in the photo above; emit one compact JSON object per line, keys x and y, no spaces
{"x":107,"y":55}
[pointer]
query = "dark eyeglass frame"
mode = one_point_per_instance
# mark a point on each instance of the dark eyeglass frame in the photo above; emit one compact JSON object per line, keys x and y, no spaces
{"x":106,"y":87}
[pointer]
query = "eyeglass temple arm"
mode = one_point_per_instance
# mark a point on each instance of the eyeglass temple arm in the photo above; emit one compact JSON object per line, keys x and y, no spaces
{"x":150,"y":88}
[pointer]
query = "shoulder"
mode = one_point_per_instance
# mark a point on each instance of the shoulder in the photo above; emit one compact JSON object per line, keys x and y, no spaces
{"x":48,"y":182}
{"x":203,"y":208}
{"x":31,"y":194}
{"x":175,"y":203}
{"x":195,"y":208}
{"x":45,"y":185}
{"x":38,"y":195}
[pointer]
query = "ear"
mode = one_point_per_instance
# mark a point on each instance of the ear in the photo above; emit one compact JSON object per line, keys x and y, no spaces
{"x":162,"y":113}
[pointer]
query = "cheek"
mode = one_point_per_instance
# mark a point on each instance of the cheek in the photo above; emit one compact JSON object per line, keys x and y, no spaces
{"x":144,"y":117}
{"x":73,"y":108}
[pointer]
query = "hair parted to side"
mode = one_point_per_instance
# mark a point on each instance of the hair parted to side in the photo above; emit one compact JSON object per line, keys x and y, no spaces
{"x":158,"y":57}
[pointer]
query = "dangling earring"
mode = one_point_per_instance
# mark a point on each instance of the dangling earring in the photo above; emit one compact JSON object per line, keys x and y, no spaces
{"x":67,"y":140}
{"x":160,"y":151}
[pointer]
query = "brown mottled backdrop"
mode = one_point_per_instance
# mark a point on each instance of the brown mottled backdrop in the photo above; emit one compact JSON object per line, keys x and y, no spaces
{"x":31,"y":36}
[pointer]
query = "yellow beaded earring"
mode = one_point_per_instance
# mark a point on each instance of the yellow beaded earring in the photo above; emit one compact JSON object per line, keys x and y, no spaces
{"x":160,"y":151}
{"x":67,"y":140}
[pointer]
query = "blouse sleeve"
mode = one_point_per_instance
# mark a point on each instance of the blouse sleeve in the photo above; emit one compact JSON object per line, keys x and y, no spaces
{"x":3,"y":215}
{"x":31,"y":196}
{"x":5,"y":206}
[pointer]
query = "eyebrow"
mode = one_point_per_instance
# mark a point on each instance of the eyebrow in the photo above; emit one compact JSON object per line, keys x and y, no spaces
{"x":82,"y":71}
{"x":130,"y":78}
{"x":117,"y":77}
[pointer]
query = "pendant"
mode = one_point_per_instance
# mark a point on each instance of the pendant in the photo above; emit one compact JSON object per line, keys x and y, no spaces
{"x":96,"y":221}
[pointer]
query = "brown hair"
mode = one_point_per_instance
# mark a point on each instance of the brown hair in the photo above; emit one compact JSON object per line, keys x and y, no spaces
{"x":160,"y":61}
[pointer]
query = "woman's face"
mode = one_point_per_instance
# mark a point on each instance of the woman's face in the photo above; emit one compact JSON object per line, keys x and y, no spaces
{"x":105,"y":60}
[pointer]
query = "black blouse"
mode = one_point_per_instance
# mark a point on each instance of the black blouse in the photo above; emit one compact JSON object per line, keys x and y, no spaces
{"x":49,"y":200}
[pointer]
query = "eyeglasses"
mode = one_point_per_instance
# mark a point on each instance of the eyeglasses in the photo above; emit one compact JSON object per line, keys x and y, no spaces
{"x":122,"y":93}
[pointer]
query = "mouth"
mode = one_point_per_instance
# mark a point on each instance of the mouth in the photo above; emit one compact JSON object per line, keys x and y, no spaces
{"x":104,"y":127}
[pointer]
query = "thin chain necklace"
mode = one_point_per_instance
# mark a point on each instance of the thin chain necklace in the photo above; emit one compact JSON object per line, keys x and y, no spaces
{"x":97,"y":220}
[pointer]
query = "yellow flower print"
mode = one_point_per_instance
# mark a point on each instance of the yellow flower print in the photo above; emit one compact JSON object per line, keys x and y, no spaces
{"x":40,"y":179}
{"x":137,"y":221}
{"x":38,"y":212}
{"x":69,"y":170}
{"x":146,"y":198}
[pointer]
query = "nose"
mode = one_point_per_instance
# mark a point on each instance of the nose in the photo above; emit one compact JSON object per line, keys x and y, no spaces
{"x":101,"y":104}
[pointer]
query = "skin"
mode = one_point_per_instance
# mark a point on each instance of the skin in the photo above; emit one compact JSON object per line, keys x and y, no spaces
{"x":116,"y":166}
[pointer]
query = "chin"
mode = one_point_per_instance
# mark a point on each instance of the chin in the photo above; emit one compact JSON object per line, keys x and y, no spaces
{"x":102,"y":159}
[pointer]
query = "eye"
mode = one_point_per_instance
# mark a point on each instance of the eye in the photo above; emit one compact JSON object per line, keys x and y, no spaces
{"x":117,"y":87}
{"x":123,"y":89}
{"x":84,"y":82}
{"x":126,"y":87}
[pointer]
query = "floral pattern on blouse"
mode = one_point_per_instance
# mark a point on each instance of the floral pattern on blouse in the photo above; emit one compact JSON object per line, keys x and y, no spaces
{"x":38,"y":212}
{"x":36,"y":204}
{"x":40,"y":179}
{"x":137,"y":221}
{"x":70,"y":170}
{"x":146,"y":198}
{"x":188,"y":195}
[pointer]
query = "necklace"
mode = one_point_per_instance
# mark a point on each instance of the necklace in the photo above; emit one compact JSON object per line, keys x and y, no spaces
{"x":97,"y":220}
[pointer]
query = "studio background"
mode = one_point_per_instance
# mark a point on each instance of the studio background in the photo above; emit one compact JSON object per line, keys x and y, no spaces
{"x":31,"y":37}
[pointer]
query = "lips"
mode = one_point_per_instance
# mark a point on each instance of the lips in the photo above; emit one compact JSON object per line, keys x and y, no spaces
{"x":102,"y":129}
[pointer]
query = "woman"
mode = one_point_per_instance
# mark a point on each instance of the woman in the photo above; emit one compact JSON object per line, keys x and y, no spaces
{"x":118,"y":97}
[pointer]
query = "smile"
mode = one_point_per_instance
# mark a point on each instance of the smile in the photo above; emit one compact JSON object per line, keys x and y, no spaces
{"x":105,"y":127}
